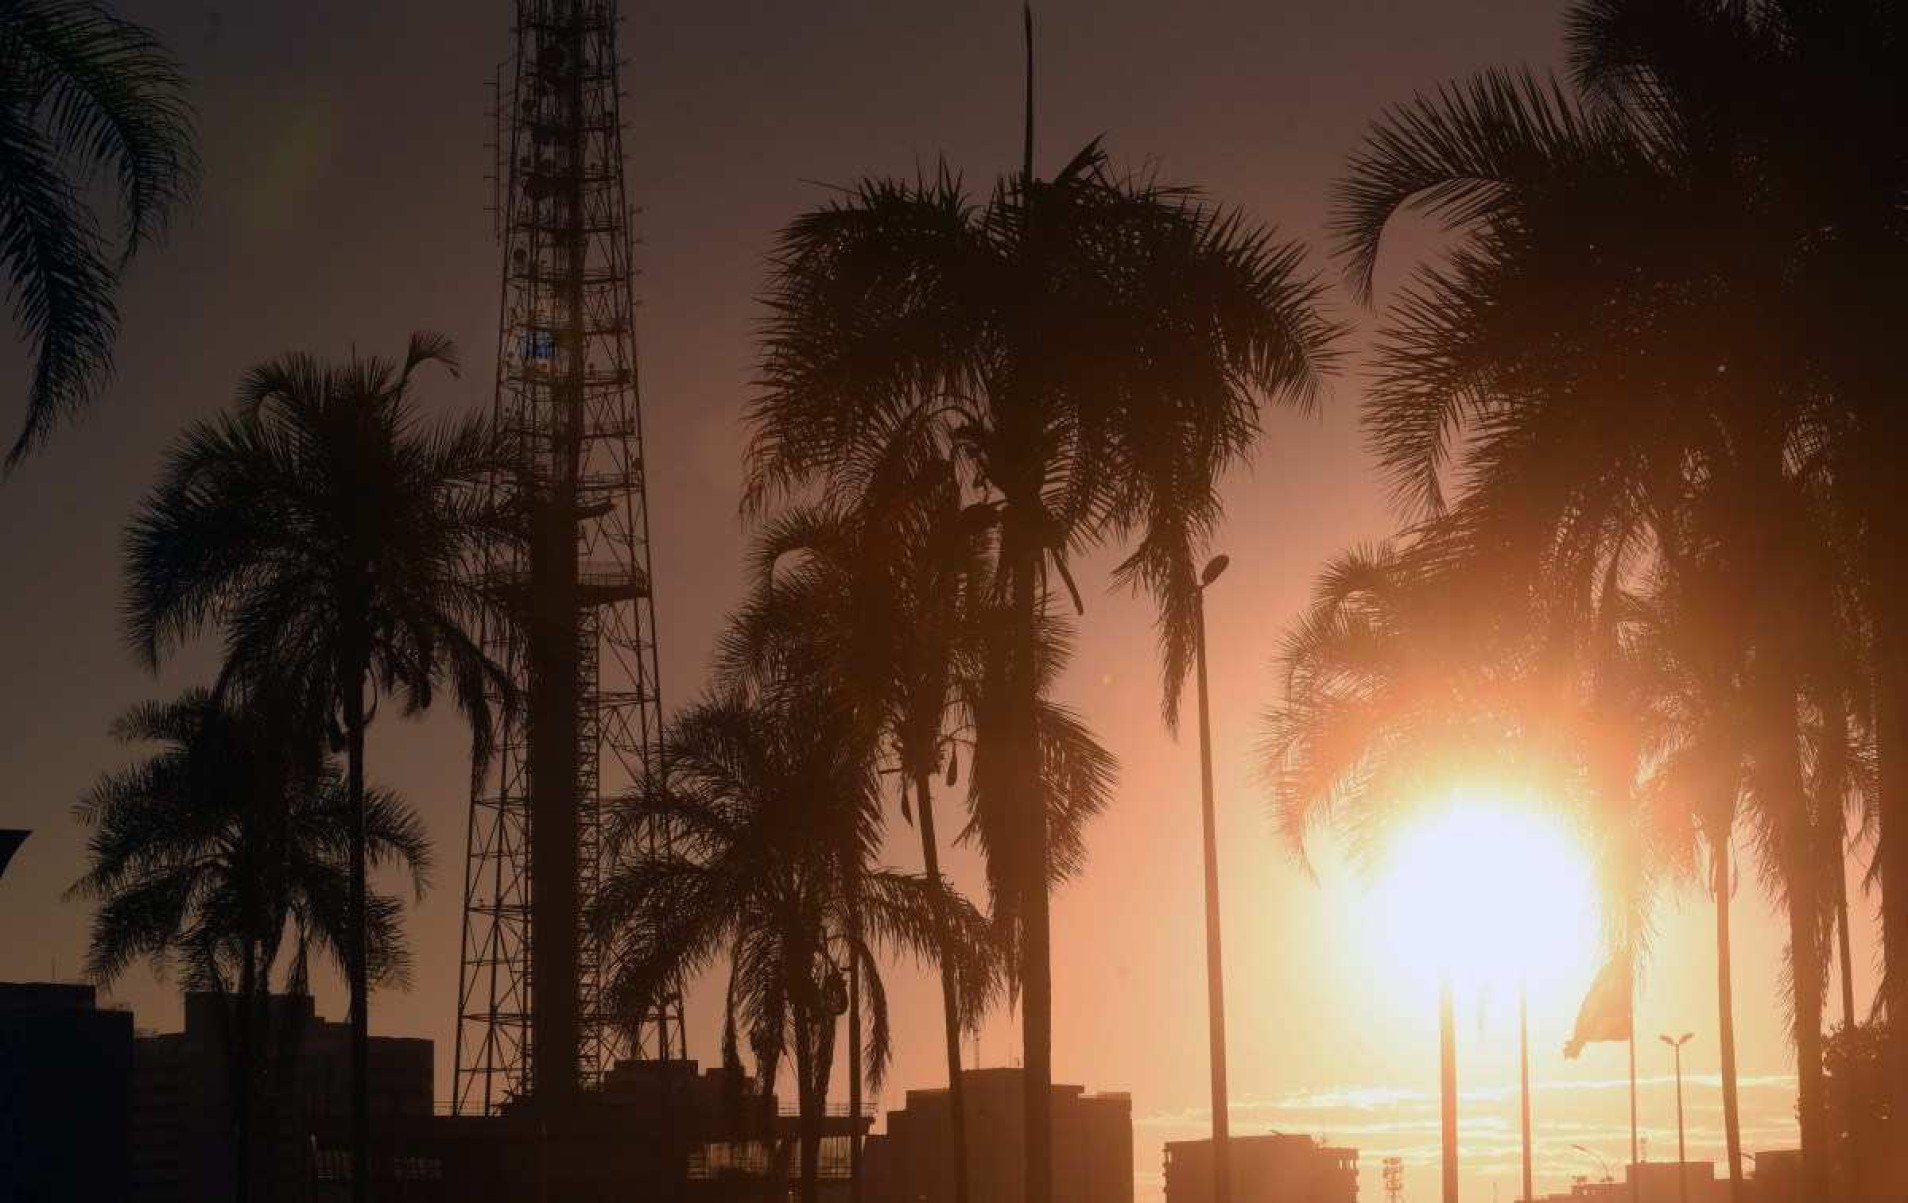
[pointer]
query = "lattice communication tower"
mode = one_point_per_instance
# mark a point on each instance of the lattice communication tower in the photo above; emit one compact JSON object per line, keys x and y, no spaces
{"x":576,"y":625}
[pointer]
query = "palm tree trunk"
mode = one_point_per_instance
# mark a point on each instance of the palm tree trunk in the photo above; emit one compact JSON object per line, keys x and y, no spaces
{"x":1843,"y":953}
{"x":950,"y":987}
{"x":808,"y":1111}
{"x":1024,"y":553}
{"x":1805,"y":968}
{"x":357,"y":962}
{"x":1800,"y":843}
{"x":265,"y":1129}
{"x":1854,"y":1151}
{"x":244,"y":1094}
{"x":854,"y":1068}
{"x":1832,"y":772}
{"x":1891,"y":852}
{"x":1447,"y":1092}
{"x":1523,"y":1087}
{"x":1726,"y":1012}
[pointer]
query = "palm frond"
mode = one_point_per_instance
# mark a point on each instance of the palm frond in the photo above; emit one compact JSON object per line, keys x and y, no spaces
{"x":84,"y":89}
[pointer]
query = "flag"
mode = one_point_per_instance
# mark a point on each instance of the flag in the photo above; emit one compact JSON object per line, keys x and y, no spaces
{"x":1606,"y":1011}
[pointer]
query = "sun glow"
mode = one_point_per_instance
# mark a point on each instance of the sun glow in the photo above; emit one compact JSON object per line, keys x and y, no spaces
{"x":1490,"y":892}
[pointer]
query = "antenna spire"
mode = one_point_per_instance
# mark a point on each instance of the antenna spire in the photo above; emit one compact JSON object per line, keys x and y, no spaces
{"x":1027,"y":159}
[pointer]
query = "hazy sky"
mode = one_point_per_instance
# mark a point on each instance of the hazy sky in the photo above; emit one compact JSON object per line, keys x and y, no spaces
{"x":345,"y":204}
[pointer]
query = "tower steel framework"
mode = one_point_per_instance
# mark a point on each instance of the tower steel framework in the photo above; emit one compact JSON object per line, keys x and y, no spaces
{"x":575,"y":627}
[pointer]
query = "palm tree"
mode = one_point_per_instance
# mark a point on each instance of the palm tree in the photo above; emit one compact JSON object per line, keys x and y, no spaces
{"x":80,"y":91}
{"x":1093,"y":350}
{"x":332,"y":535}
{"x":773,"y":802}
{"x":1591,"y":282}
{"x":1412,"y":668}
{"x":1799,"y":106}
{"x":1684,"y":635}
{"x":217,"y":846}
{"x":879,"y":602}
{"x":885,"y":603}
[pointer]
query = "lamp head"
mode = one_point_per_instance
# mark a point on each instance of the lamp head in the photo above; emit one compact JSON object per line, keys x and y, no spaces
{"x":1215,"y":567}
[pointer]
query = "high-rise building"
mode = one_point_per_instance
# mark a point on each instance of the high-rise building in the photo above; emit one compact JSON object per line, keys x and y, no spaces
{"x":1268,"y":1168}
{"x":65,"y":1095}
{"x":183,"y":1135}
{"x":913,"y":1160}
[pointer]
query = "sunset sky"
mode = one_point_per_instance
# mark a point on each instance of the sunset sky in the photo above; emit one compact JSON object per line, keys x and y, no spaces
{"x":345,"y":205}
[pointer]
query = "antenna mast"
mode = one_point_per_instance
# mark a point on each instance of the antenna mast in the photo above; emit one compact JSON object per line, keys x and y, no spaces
{"x":575,"y":626}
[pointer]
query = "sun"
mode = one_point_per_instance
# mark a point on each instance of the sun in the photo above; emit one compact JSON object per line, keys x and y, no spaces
{"x":1489,"y":891}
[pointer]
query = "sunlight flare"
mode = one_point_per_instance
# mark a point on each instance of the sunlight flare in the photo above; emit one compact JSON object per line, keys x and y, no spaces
{"x":1491,"y":890}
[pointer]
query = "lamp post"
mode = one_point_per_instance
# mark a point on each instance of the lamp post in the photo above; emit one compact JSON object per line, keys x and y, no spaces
{"x":1676,"y":1044}
{"x":1215,"y":976}
{"x":1603,"y":1163}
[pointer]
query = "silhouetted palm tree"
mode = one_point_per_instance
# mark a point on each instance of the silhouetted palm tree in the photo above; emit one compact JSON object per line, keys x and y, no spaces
{"x":1093,"y":350}
{"x":214,"y":849}
{"x":1408,"y":677}
{"x":1797,"y":107}
{"x":888,"y":604}
{"x":332,"y":535}
{"x":1597,"y":349}
{"x":880,"y":603}
{"x":773,"y":802}
{"x":1685,"y":639}
{"x":81,"y":91}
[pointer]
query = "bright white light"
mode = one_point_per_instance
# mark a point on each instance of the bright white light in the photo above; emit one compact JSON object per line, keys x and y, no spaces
{"x":1491,"y":893}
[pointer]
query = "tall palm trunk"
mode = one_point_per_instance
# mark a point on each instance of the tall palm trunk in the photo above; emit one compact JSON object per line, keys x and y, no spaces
{"x":1844,"y":953}
{"x":1856,"y":1152}
{"x":1805,"y":963}
{"x":1726,"y":1008}
{"x":854,"y":1069}
{"x":1447,"y":1092}
{"x":950,"y":987}
{"x":1022,"y":550}
{"x":357,"y":969}
{"x":1891,"y":810}
{"x":243,"y":1077}
{"x":1832,"y":775}
{"x":1800,"y":841}
{"x":808,"y":1108}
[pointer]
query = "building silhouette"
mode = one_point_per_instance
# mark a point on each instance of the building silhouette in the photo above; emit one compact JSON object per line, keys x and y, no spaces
{"x":65,"y":1095}
{"x":93,"y":1112}
{"x":1268,"y":1168}
{"x":182,"y":1087}
{"x":913,"y":1160}
{"x":1775,"y":1178}
{"x":653,"y":1130}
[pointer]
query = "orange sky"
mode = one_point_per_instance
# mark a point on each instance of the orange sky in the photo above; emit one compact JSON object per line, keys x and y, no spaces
{"x":345,"y":204}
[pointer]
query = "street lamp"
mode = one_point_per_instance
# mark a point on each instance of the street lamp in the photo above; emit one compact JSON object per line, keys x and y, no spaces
{"x":1676,"y":1044}
{"x":1603,"y":1163}
{"x":1215,"y":976}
